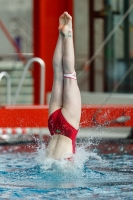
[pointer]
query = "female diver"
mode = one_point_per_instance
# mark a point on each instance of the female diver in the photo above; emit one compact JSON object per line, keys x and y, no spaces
{"x":65,"y":101}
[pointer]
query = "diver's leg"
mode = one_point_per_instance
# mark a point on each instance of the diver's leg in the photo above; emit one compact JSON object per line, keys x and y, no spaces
{"x":71,"y":94}
{"x":57,"y":89}
{"x":59,"y":147}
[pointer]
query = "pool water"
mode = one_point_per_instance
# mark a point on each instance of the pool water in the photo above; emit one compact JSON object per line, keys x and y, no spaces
{"x":96,"y":173}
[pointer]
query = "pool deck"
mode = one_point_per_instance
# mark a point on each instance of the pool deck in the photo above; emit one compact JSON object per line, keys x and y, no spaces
{"x":92,"y":116}
{"x":19,"y":123}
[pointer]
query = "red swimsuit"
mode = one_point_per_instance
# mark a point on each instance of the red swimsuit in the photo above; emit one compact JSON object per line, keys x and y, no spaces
{"x":57,"y":124}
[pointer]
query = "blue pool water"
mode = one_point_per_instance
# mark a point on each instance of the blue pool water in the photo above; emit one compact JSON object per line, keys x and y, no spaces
{"x":96,"y":173}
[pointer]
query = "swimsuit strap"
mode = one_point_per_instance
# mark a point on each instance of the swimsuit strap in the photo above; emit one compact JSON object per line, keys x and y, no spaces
{"x":70,"y":75}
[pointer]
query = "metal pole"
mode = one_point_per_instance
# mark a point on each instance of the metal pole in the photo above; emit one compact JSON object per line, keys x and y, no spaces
{"x":108,"y":49}
{"x":126,"y":46}
{"x":42,"y":81}
{"x":5,"y":74}
{"x":91,"y":44}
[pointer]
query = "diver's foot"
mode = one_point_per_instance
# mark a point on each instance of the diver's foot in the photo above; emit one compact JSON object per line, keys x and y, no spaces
{"x":62,"y":21}
{"x":66,"y":30}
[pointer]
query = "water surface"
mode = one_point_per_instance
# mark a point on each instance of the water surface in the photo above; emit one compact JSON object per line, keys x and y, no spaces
{"x":103,"y":171}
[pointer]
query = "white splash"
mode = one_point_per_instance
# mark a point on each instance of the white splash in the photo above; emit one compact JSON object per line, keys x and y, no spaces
{"x":82,"y":155}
